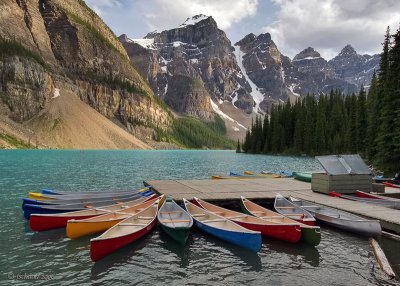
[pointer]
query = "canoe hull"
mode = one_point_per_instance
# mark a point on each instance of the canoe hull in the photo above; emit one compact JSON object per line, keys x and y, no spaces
{"x":311,"y":235}
{"x":305,"y":177}
{"x":38,"y":209}
{"x":250,"y":241}
{"x":76,"y":229}
{"x":341,"y":219}
{"x":288,"y":233}
{"x":179,"y":234}
{"x":101,"y":248}
{"x":42,"y":223}
{"x":365,"y":228}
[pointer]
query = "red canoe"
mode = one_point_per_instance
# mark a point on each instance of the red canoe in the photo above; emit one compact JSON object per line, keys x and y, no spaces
{"x":41,"y":222}
{"x":124,"y":233}
{"x":391,"y":185}
{"x":289,"y":232}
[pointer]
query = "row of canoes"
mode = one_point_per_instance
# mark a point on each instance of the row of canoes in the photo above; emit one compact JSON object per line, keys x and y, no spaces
{"x":45,"y":203}
{"x":124,"y":223}
{"x":302,"y":176}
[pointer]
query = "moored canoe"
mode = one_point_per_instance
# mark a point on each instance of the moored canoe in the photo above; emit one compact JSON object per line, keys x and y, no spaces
{"x":175,"y":221}
{"x":124,"y":233}
{"x":112,"y":192}
{"x":391,"y":185}
{"x":289,"y":209}
{"x":143,"y":192}
{"x":341,"y":219}
{"x":223,"y":228}
{"x":361,"y":194}
{"x":42,"y":222}
{"x":309,"y":234}
{"x":286,"y":231}
{"x":93,"y":195}
{"x":301,"y":176}
{"x":83,"y":227}
{"x":379,"y":202}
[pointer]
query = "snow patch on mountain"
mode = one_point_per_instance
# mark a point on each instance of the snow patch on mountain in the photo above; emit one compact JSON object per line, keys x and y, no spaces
{"x":145,"y":43}
{"x":194,"y":20}
{"x":217,"y":110}
{"x":306,"y":58}
{"x":258,"y":97}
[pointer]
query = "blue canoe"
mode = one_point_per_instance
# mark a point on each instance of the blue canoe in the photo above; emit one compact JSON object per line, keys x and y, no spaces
{"x":223,"y":228}
{"x":53,"y":209}
{"x":89,"y":200}
{"x":120,"y":192}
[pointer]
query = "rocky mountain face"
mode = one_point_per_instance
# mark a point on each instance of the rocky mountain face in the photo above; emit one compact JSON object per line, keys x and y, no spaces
{"x":190,"y":66}
{"x":354,"y":68}
{"x":49,"y":44}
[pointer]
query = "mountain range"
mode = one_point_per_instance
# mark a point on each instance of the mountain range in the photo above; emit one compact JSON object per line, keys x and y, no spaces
{"x":138,"y":88}
{"x":196,"y":70}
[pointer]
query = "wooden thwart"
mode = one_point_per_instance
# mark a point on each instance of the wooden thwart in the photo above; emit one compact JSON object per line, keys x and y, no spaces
{"x":132,"y":224}
{"x":174,"y":220}
{"x":197,"y":215}
{"x":213,"y":220}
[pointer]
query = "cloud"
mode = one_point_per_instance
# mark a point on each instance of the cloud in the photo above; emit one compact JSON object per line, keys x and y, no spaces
{"x":166,"y":14}
{"x":99,"y":5}
{"x":329,"y":25}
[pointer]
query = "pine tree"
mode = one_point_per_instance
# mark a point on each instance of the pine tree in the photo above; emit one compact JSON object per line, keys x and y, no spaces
{"x":372,"y":117}
{"x":386,"y":134}
{"x":394,"y":80}
{"x":238,"y":149}
{"x":320,"y":126}
{"x":361,"y":121}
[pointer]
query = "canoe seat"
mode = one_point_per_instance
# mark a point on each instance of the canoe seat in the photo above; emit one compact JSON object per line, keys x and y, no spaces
{"x":213,"y":220}
{"x":174,"y":220}
{"x":173,"y":212}
{"x":197,"y":215}
{"x":285,"y":207}
{"x":132,"y":224}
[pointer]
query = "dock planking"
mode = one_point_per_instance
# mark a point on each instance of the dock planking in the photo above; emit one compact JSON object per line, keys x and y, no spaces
{"x":266,"y":189}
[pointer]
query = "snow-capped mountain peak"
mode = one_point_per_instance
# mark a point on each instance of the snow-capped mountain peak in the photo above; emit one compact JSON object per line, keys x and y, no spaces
{"x":194,"y":20}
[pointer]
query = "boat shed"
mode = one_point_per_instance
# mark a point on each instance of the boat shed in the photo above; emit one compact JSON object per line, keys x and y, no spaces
{"x":344,"y":174}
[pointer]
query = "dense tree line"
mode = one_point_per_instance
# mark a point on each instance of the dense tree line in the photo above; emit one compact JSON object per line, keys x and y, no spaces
{"x":338,"y":123}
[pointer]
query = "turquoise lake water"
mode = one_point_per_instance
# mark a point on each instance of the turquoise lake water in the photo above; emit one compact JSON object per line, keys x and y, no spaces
{"x":340,"y":259}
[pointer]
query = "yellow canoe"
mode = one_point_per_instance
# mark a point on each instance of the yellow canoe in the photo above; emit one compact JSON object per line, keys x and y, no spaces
{"x":37,"y":196}
{"x":83,"y":227}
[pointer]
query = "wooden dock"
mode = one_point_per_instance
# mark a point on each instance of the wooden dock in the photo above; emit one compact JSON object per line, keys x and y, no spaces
{"x":266,"y":189}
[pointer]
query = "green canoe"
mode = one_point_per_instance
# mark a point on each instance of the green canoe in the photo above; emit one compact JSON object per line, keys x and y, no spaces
{"x":305,"y":177}
{"x":175,"y":221}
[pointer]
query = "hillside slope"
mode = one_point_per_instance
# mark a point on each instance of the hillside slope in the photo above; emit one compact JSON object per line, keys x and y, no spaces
{"x":67,"y":122}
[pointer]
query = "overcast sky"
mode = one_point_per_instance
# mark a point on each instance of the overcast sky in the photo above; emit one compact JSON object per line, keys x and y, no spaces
{"x":325,"y":25}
